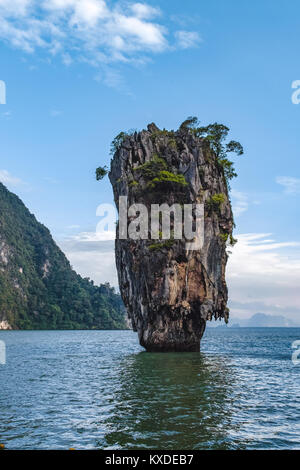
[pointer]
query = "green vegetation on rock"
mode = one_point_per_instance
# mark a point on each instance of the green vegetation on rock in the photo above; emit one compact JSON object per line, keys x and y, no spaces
{"x":117,"y":142}
{"x":165,"y":176}
{"x":170,"y":136}
{"x":216,"y":201}
{"x":119,"y":139}
{"x":150,"y":170}
{"x":225,"y":237}
{"x":159,"y":245}
{"x":133,"y":183}
{"x":155,"y":172}
{"x":101,"y":171}
{"x":233,"y":240}
{"x":215,"y":135}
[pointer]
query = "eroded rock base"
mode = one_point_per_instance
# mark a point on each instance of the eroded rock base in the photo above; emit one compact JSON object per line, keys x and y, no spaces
{"x":179,"y":336}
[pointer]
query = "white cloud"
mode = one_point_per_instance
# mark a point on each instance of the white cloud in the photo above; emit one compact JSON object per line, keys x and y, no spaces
{"x":290,"y":184}
{"x":95,"y":236}
{"x":139,"y":33}
{"x":111,"y":77}
{"x":67,"y":59}
{"x":239,"y":202}
{"x":88,"y":13}
{"x":90,"y":30}
{"x":15,"y":7}
{"x":141,"y":10}
{"x":92,"y":255}
{"x":8,"y":179}
{"x":187,"y":39}
{"x":96,"y":265}
{"x":263,"y":275}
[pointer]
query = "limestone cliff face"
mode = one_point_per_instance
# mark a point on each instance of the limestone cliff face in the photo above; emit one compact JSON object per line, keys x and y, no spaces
{"x":170,"y":292}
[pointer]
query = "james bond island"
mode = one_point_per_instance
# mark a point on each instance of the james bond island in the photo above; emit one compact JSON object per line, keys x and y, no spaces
{"x":171,"y":292}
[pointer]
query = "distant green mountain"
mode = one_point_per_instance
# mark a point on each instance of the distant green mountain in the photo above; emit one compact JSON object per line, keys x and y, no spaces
{"x":38,"y":287}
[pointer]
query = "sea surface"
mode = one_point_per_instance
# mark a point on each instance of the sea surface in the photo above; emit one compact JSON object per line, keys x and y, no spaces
{"x":100,"y":390}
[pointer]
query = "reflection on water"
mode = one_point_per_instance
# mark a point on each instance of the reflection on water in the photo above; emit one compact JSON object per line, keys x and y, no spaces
{"x":96,"y":389}
{"x":171,"y":401}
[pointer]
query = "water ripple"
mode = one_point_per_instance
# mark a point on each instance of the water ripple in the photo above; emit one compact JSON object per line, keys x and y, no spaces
{"x":98,"y":389}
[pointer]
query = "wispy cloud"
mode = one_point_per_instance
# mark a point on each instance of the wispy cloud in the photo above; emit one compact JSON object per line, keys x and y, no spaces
{"x":91,"y":30}
{"x":187,"y":39}
{"x":92,"y":255}
{"x":92,"y":237}
{"x":144,"y":11}
{"x":8,"y":179}
{"x":239,"y":202}
{"x":111,"y":78}
{"x":291,"y":185}
{"x":98,"y":265}
{"x":7,"y":115}
{"x":263,"y":275}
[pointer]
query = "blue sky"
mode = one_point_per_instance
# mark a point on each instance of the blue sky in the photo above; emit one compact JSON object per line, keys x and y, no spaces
{"x":77,"y":73}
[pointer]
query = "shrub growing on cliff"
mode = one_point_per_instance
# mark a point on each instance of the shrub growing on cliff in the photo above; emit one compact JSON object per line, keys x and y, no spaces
{"x":228,"y":238}
{"x":101,"y":171}
{"x":155,"y":172}
{"x":119,"y":139}
{"x":151,"y":169}
{"x":190,"y":123}
{"x":215,"y":134}
{"x":170,"y":135}
{"x":133,"y":183}
{"x":159,"y":245}
{"x":167,"y":177}
{"x":224,"y":237}
{"x":161,"y":133}
{"x":216,"y":201}
{"x":117,"y":142}
{"x":233,"y":240}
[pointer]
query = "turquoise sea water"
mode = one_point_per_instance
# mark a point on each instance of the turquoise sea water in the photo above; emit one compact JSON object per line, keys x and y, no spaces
{"x":99,"y":389}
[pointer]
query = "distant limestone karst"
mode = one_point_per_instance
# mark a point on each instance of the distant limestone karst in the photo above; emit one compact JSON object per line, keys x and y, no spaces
{"x":263,"y":320}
